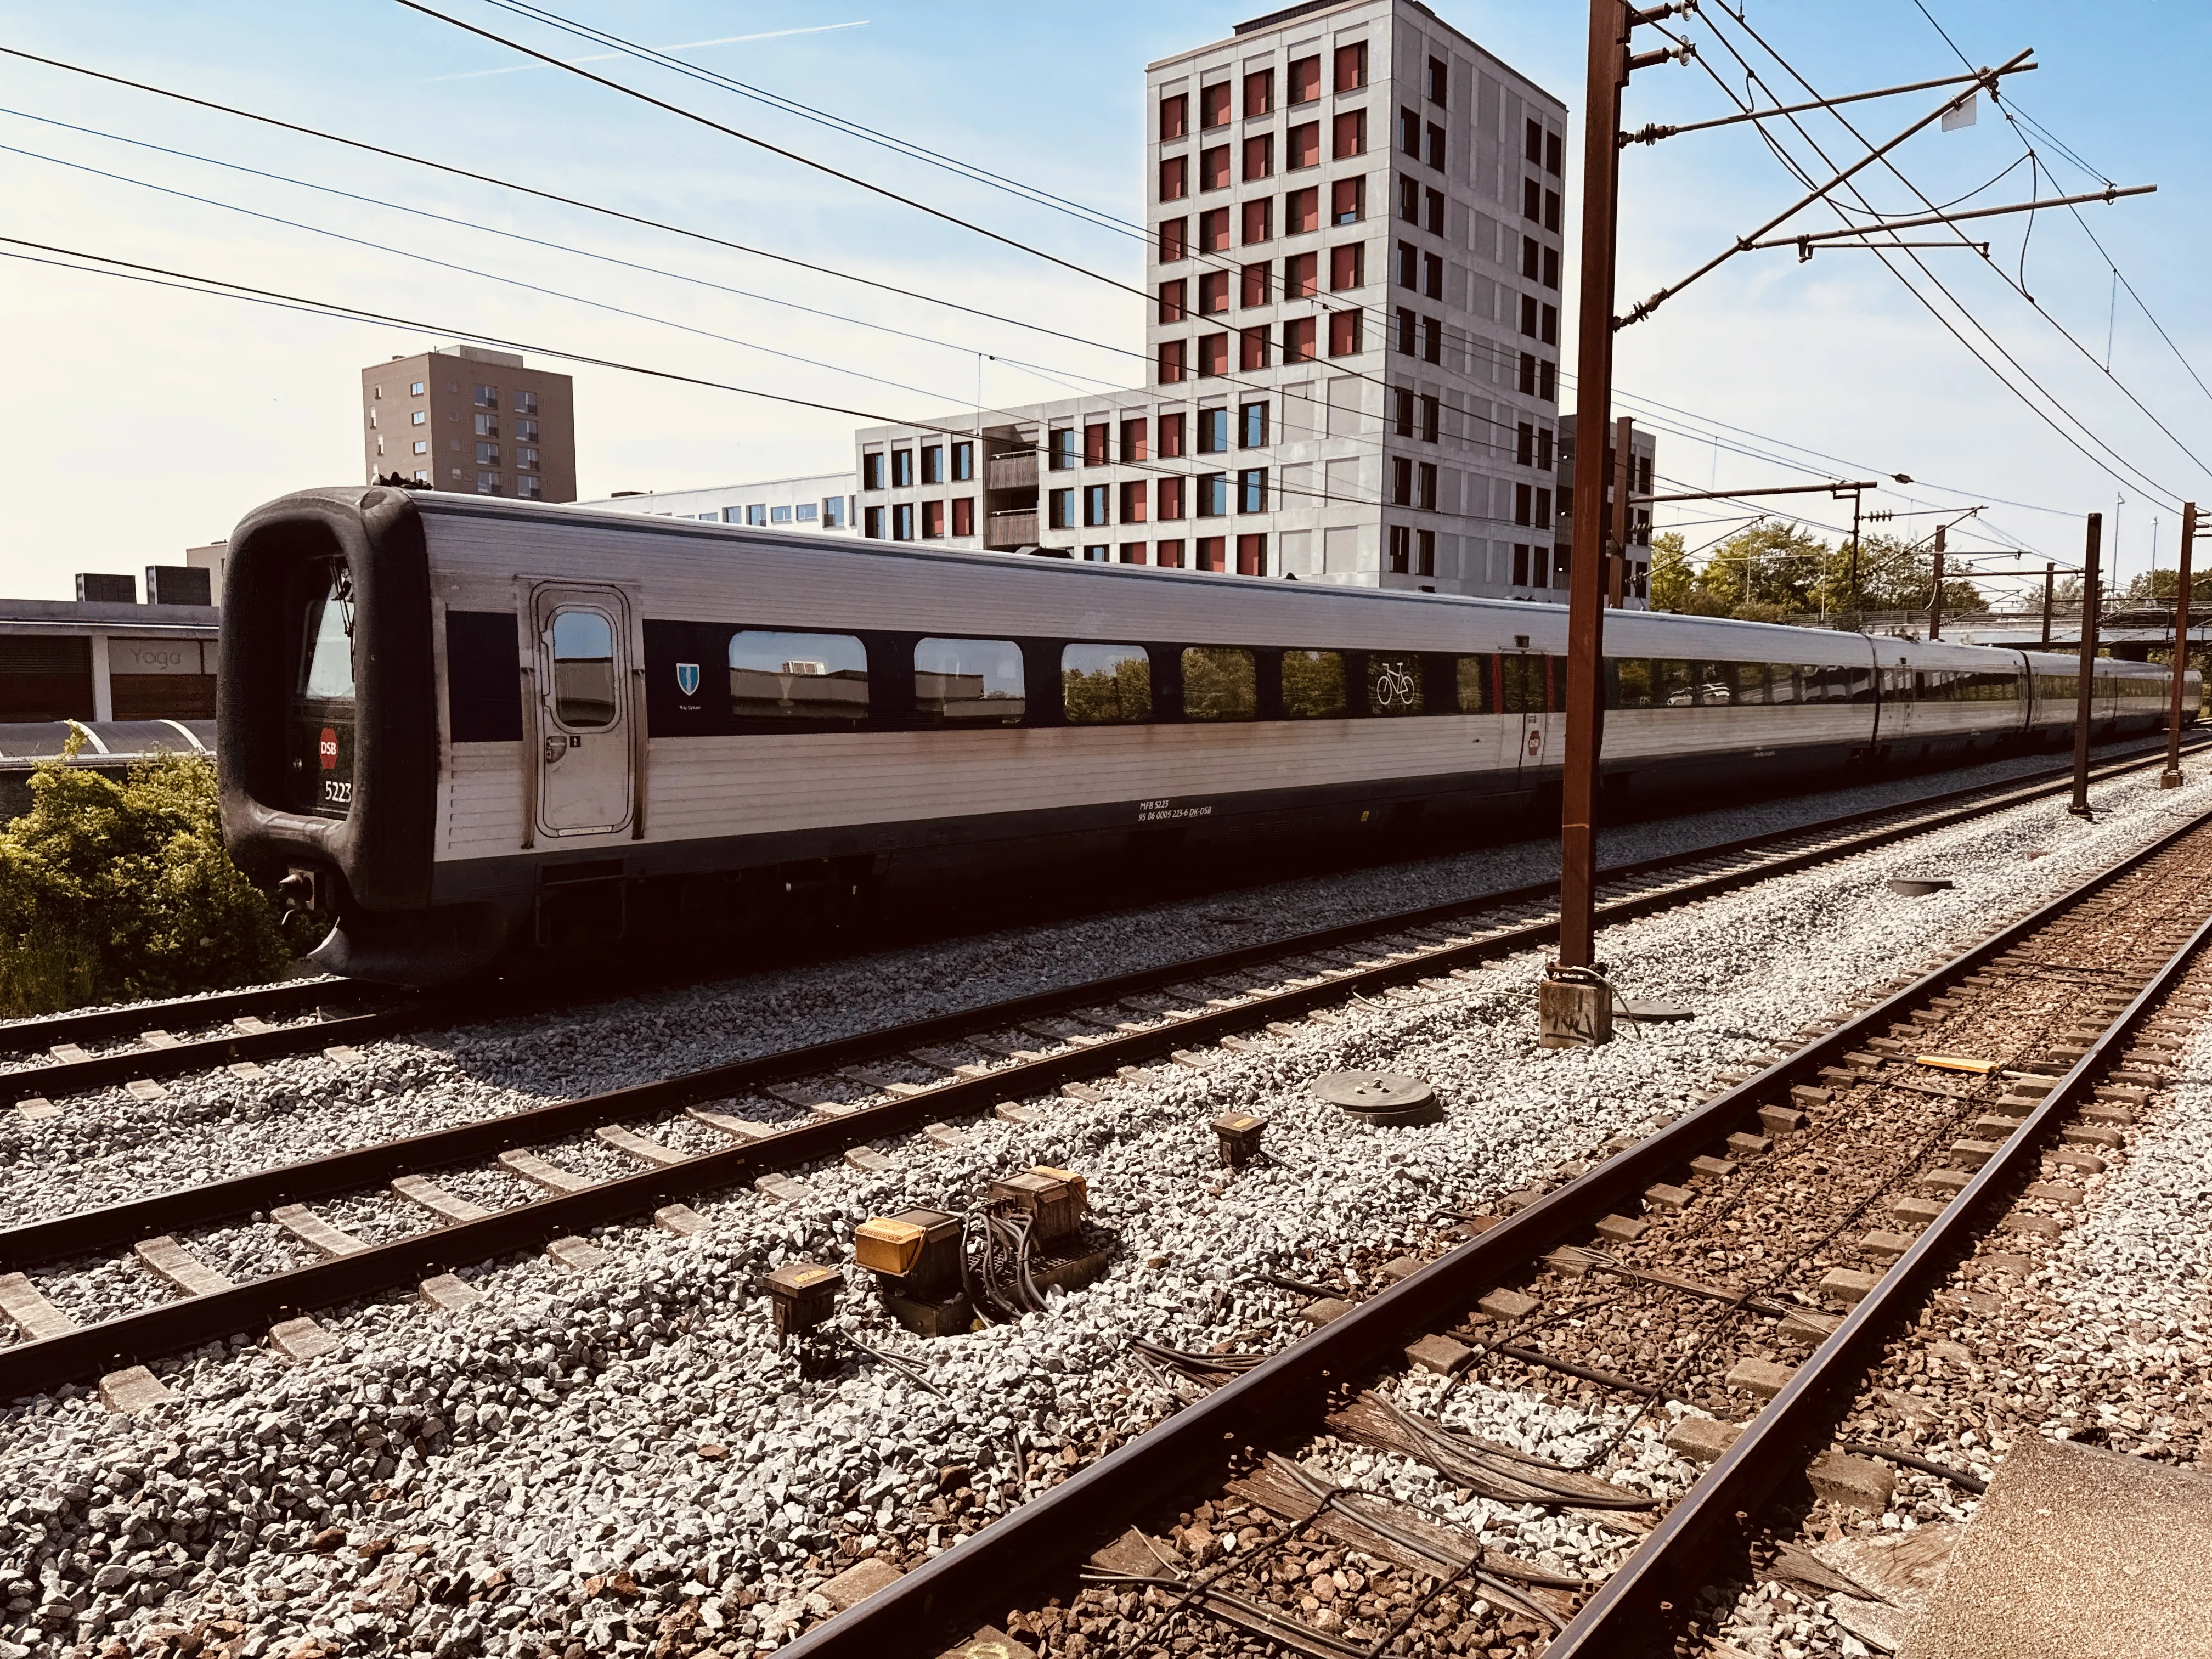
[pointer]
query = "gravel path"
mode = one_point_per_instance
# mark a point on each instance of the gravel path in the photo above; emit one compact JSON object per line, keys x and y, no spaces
{"x":600,"y":1461}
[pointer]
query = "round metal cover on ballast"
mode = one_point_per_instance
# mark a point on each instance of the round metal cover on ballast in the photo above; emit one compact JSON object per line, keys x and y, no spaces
{"x":1379,"y":1096}
{"x":1920,"y":886}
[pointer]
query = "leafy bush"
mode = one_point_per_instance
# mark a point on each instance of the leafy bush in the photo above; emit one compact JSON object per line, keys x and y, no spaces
{"x":113,"y":892}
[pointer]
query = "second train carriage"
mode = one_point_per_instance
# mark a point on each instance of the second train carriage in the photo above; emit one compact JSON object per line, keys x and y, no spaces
{"x":466,"y":728}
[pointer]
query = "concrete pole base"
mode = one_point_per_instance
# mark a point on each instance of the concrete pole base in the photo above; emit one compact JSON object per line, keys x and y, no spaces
{"x":2170,"y":779}
{"x":1573,"y":1014}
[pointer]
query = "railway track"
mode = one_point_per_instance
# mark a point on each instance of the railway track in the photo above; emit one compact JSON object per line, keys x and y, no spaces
{"x":239,"y":1030}
{"x":1731,"y":1278}
{"x":1026,"y":1048}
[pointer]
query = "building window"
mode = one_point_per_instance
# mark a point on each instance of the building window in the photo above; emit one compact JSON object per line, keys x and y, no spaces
{"x":1212,"y":489}
{"x":1260,"y":157}
{"x":1302,"y":212}
{"x":1552,"y":209}
{"x":1552,"y":154}
{"x":1213,"y":168}
{"x":902,"y":521}
{"x":1425,"y":552}
{"x":1213,"y":293}
{"x":1060,"y":506}
{"x":1551,"y":267}
{"x":1252,"y":426}
{"x":1532,"y":200}
{"x":963,"y":515}
{"x":1347,"y":201}
{"x":1432,"y":275}
{"x":1401,"y":481}
{"x":1402,"y":550}
{"x":486,"y":426}
{"x":419,"y":417}
{"x":1549,"y":334}
{"x":1543,"y":509}
{"x":1094,"y":506}
{"x":415,"y":390}
{"x":526,"y":431}
{"x":757,"y":513}
{"x":1167,"y":496}
{"x":1343,"y":333}
{"x":1424,"y":493}
{"x":1404,"y":319}
{"x":1094,"y":440}
{"x":422,"y":476}
{"x":1213,"y":553}
{"x":1432,"y":340}
{"x":1252,"y":348}
{"x":1519,"y":564}
{"x":1260,"y":92}
{"x":1528,"y":315}
{"x":902,"y":469}
{"x":1174,"y":234}
{"x":487,"y":397}
{"x":833,"y":511}
{"x":1547,"y":381}
{"x":779,"y":515}
{"x":1302,"y":146}
{"x":1351,"y":67}
{"x":1175,"y":116}
{"x":1133,"y":501}
{"x":487,"y":484}
{"x":1527,"y":384}
{"x":1409,"y":134}
{"x":1348,"y":267}
{"x":487,"y":455}
{"x":1133,"y":447}
{"x":933,"y":465}
{"x":1213,"y":105}
{"x":1432,"y":418}
{"x":1259,"y":216}
{"x":1432,"y":203}
{"x":1434,"y":149}
{"x":531,"y":490}
{"x":1213,"y":230}
{"x":1098,"y":553}
{"x":933,"y":521}
{"x":1409,"y":267}
{"x":1212,"y":431}
{"x":1252,"y":283}
{"x":1168,"y":555}
{"x":1212,"y":355}
{"x":1174,"y":300}
{"x":1524,"y":502}
{"x":1301,"y":277}
{"x":1171,"y":436}
{"x":1252,"y":555}
{"x":1252,"y":490}
{"x":525,"y":403}
{"x":871,"y":470}
{"x":1305,"y":80}
{"x":525,"y":460}
{"x":872,"y":523}
{"x":1348,"y":136}
{"x":1060,"y":449}
{"x":1402,"y":405}
{"x":1132,"y":552}
{"x":1174,"y":177}
{"x":421,"y":446}
{"x":1409,"y":200}
{"x":1533,"y":143}
{"x":805,"y":512}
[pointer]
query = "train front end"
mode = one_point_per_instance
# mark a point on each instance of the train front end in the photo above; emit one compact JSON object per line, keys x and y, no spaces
{"x":329,"y":741}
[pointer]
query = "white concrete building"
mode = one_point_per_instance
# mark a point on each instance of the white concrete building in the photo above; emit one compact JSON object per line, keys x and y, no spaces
{"x":820,"y":501}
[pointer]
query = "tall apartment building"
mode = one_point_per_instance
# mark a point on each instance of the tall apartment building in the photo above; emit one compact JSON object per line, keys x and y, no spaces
{"x":1353,"y":330}
{"x":470,"y":419}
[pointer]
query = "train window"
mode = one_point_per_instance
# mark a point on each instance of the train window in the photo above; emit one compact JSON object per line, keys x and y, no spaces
{"x":777,"y":676}
{"x":583,"y":670}
{"x":1218,"y":683}
{"x":1671,"y":683}
{"x":1714,"y":684}
{"x":1313,"y":686}
{"x":327,"y":670}
{"x":1523,"y":678}
{"x":1746,"y":682}
{"x":1106,"y":685}
{"x":1393,"y":682}
{"x":1476,"y":694}
{"x":969,"y":681}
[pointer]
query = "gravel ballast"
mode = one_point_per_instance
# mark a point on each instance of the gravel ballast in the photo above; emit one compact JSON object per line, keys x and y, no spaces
{"x":610,"y":1459}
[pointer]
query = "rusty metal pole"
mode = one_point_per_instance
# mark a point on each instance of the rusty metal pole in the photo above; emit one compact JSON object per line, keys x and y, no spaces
{"x":1624,"y":480}
{"x":1573,"y":1008}
{"x":2171,"y":778}
{"x":1936,"y":599}
{"x":2086,"y":674}
{"x":2050,"y":577}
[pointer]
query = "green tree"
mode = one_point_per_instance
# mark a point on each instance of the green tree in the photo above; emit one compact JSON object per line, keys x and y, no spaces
{"x":2159,"y":587}
{"x":115,"y":890}
{"x":1769,"y":571}
{"x":1673,"y":582}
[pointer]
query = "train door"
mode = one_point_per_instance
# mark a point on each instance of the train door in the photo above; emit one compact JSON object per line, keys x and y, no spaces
{"x":583,"y":756}
{"x":1524,"y":676}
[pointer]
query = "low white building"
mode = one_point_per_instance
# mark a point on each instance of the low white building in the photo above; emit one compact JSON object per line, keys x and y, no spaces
{"x":820,"y":501}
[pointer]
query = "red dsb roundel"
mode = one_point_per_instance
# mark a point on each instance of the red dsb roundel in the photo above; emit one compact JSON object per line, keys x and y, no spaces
{"x":328,"y":746}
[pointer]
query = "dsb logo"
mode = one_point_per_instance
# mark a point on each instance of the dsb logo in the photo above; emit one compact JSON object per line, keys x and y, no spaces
{"x":327,"y":746}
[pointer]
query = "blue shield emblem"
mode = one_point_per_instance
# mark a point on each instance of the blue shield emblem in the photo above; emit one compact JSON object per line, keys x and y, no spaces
{"x":687,"y":678}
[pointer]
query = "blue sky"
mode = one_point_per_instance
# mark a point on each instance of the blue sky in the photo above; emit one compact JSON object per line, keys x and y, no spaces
{"x":143,"y":421}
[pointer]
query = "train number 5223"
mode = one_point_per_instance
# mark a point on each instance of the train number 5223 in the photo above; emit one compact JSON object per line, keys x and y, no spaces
{"x":336,"y":794}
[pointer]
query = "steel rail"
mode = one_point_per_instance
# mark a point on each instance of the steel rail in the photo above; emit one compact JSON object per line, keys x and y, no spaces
{"x":118,"y":1226}
{"x":971,"y":1583}
{"x":1669,"y":1564}
{"x":208,"y":1054}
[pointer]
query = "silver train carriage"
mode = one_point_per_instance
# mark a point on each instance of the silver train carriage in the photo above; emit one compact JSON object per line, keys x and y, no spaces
{"x":465,"y":729}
